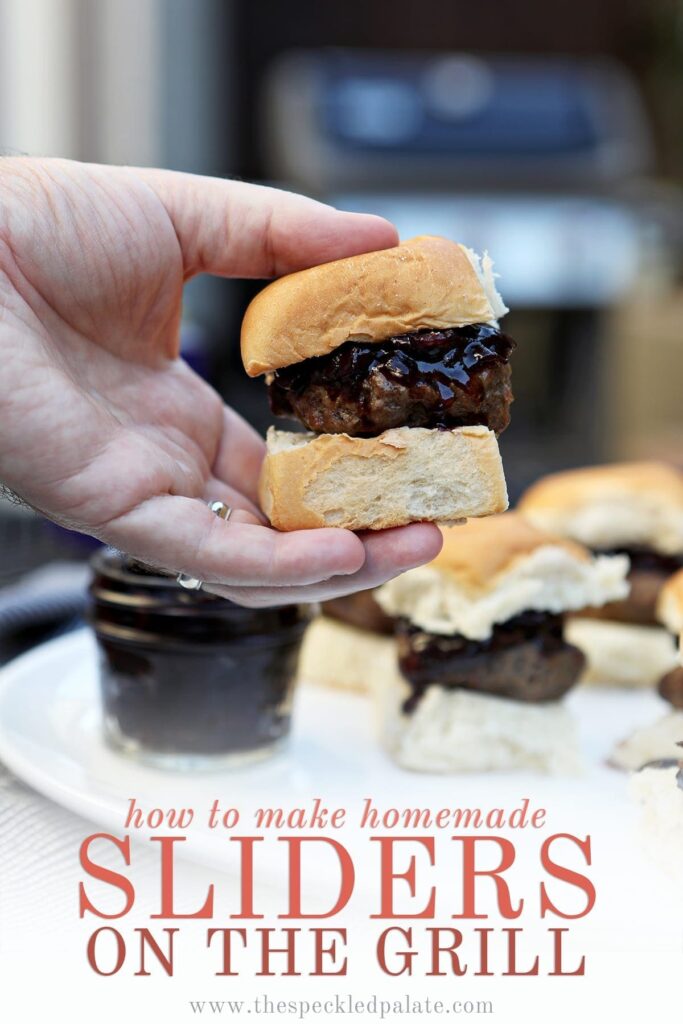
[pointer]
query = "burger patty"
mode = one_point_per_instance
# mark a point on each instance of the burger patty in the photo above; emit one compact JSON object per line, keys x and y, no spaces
{"x":525,"y":659}
{"x":671,"y":688}
{"x":648,"y":560}
{"x":648,"y":573}
{"x":451,"y":378}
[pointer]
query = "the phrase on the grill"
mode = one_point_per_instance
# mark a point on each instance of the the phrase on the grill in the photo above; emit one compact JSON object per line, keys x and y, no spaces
{"x":441,"y":892}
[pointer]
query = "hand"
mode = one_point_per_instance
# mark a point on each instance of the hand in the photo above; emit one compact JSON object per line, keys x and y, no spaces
{"x":103,"y":428}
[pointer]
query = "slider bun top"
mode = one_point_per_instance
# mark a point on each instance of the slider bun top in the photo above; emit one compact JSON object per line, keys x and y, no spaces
{"x":626,"y":504}
{"x":670,"y":605}
{"x":425,"y":282}
{"x":490,"y":570}
{"x":478,"y":551}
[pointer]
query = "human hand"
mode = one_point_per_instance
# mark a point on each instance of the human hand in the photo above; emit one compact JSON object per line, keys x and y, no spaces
{"x":103,"y":428}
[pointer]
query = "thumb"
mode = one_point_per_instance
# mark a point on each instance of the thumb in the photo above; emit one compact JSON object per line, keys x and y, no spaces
{"x":235,"y":229}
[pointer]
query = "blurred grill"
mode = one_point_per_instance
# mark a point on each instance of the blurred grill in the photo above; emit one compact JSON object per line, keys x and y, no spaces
{"x":377,"y":120}
{"x":541,"y":161}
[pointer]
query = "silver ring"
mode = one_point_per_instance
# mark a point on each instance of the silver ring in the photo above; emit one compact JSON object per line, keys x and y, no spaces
{"x":224,"y":512}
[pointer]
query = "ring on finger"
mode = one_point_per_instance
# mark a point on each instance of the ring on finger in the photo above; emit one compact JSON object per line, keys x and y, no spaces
{"x":223,"y":511}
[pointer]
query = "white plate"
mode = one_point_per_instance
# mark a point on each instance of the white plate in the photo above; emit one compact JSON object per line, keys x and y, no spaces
{"x":51,"y":737}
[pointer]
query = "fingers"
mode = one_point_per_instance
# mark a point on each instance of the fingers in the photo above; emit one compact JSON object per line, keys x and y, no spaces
{"x":387,"y":553}
{"x":256,"y":566}
{"x":240,"y":454}
{"x":183,"y":535}
{"x":235,"y":229}
{"x":217,"y":490}
{"x":390,"y":552}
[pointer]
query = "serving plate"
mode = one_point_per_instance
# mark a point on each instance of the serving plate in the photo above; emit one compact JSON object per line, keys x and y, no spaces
{"x":51,"y":737}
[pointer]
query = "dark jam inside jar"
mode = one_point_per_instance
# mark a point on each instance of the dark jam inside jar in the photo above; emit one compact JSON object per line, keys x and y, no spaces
{"x":187,"y":677}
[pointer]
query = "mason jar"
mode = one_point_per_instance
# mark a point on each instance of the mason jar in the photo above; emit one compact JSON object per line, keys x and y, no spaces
{"x":188,"y":679}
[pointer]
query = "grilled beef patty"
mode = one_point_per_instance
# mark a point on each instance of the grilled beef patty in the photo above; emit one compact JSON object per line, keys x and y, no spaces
{"x":451,"y":378}
{"x":648,"y":573}
{"x":525,"y":659}
{"x":671,"y":688}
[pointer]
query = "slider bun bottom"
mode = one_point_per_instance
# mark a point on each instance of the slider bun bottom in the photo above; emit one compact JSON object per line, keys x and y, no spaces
{"x":404,"y":475}
{"x":461,"y":731}
{"x":650,"y":743}
{"x":661,"y":802}
{"x":622,"y":655}
{"x":344,"y":658}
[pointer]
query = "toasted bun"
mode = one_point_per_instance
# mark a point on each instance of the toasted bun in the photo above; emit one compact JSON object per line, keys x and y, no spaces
{"x":619,"y":654}
{"x":425,"y":282}
{"x":477,"y":553}
{"x":402,"y":476}
{"x":460,"y":731}
{"x":670,"y":606}
{"x":343,"y":657}
{"x":621,"y":505}
{"x":492,"y":569}
{"x":660,"y":739}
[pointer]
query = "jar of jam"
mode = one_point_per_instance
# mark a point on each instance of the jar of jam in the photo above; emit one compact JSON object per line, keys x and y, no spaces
{"x":189,"y":679}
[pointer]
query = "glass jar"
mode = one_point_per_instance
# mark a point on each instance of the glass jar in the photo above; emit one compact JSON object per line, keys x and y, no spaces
{"x":189,"y":679}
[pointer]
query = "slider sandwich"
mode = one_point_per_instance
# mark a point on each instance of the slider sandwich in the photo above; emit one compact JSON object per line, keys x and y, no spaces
{"x":482,"y":657}
{"x":350,"y":643}
{"x":661,"y":740}
{"x":635,"y":509}
{"x":394,"y":363}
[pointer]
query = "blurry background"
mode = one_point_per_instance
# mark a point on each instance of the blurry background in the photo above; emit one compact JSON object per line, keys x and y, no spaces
{"x":549,"y":134}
